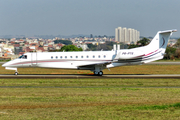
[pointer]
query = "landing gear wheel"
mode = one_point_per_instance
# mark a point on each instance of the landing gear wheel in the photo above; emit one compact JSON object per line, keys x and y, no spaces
{"x":95,"y":73}
{"x":100,"y":73}
{"x":16,"y":73}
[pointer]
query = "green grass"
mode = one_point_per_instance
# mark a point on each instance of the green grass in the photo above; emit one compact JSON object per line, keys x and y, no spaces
{"x":91,"y":82}
{"x":89,"y":99}
{"x":136,"y":69}
{"x":155,"y":107}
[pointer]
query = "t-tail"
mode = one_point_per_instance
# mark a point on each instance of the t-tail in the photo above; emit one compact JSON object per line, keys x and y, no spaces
{"x":155,"y":50}
{"x":161,"y":39}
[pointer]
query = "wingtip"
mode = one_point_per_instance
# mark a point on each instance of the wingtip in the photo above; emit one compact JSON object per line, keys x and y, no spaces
{"x":175,"y":30}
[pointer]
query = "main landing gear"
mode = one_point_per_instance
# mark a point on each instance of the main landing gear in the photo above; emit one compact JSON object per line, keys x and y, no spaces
{"x":98,"y":69}
{"x":100,"y":73}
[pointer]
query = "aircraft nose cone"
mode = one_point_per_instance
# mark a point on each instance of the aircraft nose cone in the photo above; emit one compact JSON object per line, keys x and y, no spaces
{"x":4,"y":65}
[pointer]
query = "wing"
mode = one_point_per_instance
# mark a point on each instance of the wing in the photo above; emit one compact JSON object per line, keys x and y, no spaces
{"x":91,"y":66}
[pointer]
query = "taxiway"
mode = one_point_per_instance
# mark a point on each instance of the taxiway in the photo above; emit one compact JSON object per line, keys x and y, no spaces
{"x":80,"y":76}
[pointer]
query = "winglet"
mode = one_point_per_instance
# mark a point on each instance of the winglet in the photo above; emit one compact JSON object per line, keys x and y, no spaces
{"x":166,"y":31}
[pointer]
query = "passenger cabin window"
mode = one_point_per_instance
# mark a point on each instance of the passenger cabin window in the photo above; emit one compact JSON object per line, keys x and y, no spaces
{"x":70,"y":56}
{"x":81,"y":56}
{"x":99,"y":56}
{"x":61,"y":57}
{"x":104,"y":56}
{"x":76,"y":56}
{"x":93,"y":56}
{"x":56,"y":57}
{"x":51,"y":57}
{"x":65,"y":56}
{"x":87,"y":56}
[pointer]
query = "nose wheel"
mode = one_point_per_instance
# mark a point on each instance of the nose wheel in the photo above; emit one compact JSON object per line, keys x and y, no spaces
{"x":16,"y":73}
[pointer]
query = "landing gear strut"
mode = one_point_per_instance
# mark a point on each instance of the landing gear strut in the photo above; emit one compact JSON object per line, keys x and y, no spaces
{"x":98,"y":69}
{"x":9,"y":68}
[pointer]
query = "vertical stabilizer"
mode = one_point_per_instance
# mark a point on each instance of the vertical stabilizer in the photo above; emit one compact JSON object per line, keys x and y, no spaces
{"x":157,"y":47}
{"x":161,"y":39}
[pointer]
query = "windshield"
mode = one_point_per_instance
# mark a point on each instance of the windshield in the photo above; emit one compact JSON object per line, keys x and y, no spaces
{"x":23,"y":57}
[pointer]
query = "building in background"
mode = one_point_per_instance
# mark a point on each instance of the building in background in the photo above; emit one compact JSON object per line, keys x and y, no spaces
{"x":126,"y":35}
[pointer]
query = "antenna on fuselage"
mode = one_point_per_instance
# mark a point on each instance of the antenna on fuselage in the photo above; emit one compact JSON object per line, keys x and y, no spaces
{"x":114,"y":47}
{"x":118,"y":47}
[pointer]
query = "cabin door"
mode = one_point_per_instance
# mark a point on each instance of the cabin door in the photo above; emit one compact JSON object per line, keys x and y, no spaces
{"x":34,"y":59}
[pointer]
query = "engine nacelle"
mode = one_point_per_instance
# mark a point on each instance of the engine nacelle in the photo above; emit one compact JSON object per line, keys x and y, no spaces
{"x":129,"y":54}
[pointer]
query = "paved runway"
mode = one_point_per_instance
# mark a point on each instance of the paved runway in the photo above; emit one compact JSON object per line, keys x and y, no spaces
{"x":151,"y":63}
{"x":163,"y":63}
{"x":177,"y":76}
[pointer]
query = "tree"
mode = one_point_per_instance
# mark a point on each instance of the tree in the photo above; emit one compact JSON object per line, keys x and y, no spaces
{"x":177,"y":44}
{"x":70,"y":48}
{"x":144,"y":41}
{"x":108,"y":45}
{"x":66,"y":42}
{"x":177,"y":53}
{"x":92,"y":47}
{"x":170,"y":53}
{"x":133,"y":46}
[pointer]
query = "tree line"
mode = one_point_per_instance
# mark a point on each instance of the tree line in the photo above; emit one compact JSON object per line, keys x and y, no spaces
{"x":173,"y":52}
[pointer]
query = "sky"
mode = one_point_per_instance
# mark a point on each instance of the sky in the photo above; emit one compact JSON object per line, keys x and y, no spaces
{"x":97,"y":17}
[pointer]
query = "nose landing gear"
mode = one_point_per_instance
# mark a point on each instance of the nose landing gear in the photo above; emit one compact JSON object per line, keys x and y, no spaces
{"x":16,"y":73}
{"x":9,"y":68}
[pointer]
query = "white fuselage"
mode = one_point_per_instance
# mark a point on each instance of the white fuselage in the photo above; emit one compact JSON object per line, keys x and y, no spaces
{"x":67,"y":60}
{"x":74,"y":60}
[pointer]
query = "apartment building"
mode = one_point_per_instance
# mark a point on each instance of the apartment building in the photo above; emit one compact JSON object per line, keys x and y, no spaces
{"x":126,"y":35}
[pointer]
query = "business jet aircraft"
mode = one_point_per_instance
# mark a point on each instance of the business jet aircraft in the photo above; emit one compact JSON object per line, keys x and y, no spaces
{"x":95,"y":61}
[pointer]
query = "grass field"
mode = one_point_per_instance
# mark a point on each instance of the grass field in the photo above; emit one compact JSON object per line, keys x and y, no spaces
{"x":101,"y":99}
{"x":22,"y":99}
{"x":136,"y":69}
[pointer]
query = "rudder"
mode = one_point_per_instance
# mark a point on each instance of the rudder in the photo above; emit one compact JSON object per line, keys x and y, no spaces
{"x":161,"y":39}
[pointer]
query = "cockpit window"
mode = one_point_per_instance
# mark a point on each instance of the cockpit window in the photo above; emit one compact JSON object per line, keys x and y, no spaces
{"x":23,"y":57}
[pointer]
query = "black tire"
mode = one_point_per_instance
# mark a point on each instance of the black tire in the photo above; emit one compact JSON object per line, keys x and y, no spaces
{"x":16,"y":73}
{"x":100,"y":73}
{"x":96,"y":73}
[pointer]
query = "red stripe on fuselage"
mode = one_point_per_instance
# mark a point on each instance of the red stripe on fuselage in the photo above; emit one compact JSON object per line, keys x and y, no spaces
{"x":30,"y":62}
